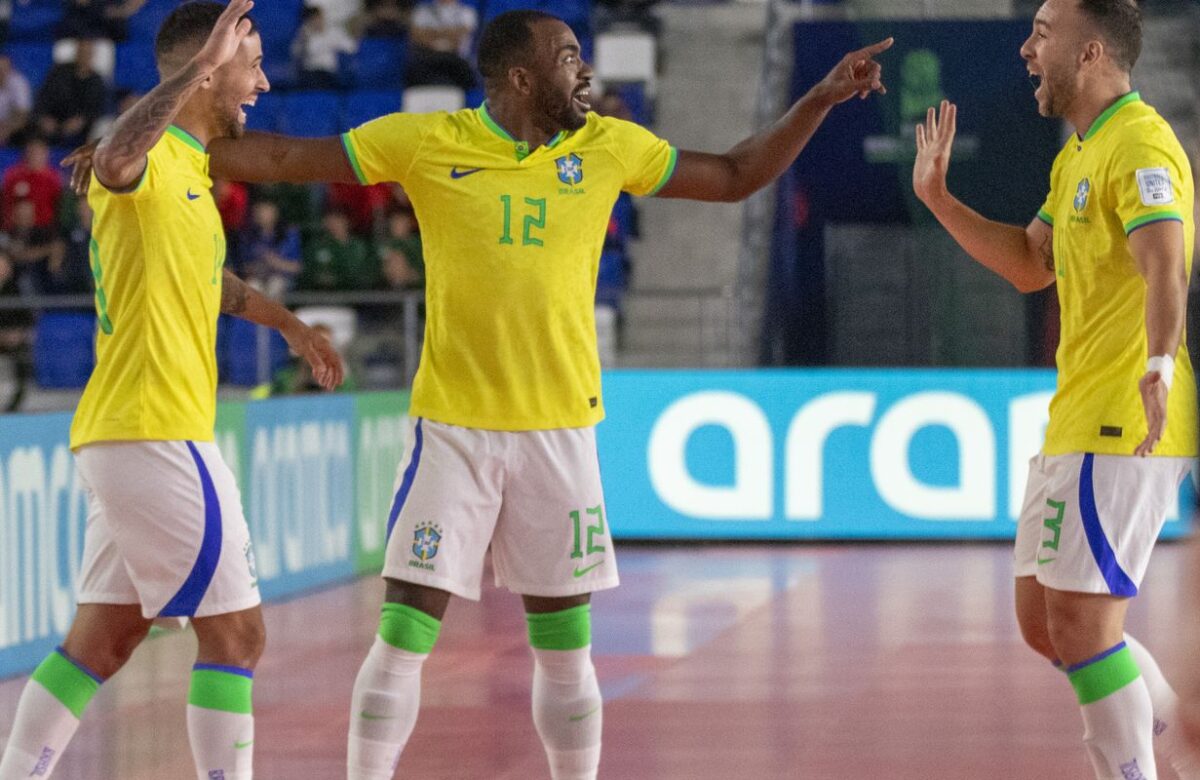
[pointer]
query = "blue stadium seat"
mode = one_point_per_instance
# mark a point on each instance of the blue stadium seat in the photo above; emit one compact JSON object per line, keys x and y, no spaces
{"x":135,"y":67}
{"x":379,"y":63}
{"x":9,"y":155}
{"x":576,"y":13}
{"x":33,"y":60}
{"x":237,"y":351}
{"x":309,"y":114}
{"x":63,"y":349}
{"x":35,"y":20}
{"x":264,"y":115}
{"x":278,"y":21}
{"x":143,"y":26}
{"x":365,"y":105}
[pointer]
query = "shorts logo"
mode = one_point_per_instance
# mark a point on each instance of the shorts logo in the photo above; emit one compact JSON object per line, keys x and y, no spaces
{"x":570,"y":169}
{"x":426,"y":540}
{"x":1054,"y":526}
{"x":1081,"y":194}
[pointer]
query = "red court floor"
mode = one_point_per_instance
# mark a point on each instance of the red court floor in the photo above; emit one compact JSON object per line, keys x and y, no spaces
{"x":767,"y":662}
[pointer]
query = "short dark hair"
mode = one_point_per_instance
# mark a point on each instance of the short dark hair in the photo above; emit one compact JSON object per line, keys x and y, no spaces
{"x":190,"y":23}
{"x":507,"y":41}
{"x":1120,"y":23}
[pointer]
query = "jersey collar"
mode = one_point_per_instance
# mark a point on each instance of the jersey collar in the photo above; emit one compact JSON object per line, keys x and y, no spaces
{"x":520,"y":148}
{"x":1124,"y":100}
{"x":187,"y":138}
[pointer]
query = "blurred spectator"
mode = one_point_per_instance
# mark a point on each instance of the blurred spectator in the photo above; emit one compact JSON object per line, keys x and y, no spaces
{"x":33,"y":180}
{"x":296,"y":377}
{"x":14,"y":323}
{"x":386,"y":18}
{"x":15,"y":100}
{"x":339,"y":13}
{"x":72,"y":98}
{"x":316,"y":49}
{"x":30,"y":247}
{"x":336,"y":259}
{"x":401,"y":254}
{"x":612,"y":104}
{"x":442,"y":33}
{"x":233,"y":203}
{"x":5,"y":18}
{"x":98,"y":19}
{"x":270,"y":251}
{"x":70,"y":266}
{"x":365,"y":206}
{"x":296,"y":202}
{"x":126,"y":98}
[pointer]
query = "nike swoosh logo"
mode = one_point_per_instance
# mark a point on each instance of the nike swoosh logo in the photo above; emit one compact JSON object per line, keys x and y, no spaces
{"x":240,"y":745}
{"x":576,"y":718}
{"x":455,"y":173}
{"x":191,"y":196}
{"x":1045,"y":560}
{"x":368,"y":716}
{"x":586,"y":569}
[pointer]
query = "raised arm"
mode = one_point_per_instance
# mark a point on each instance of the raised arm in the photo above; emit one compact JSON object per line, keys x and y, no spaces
{"x":1023,"y":256}
{"x":1158,"y":252}
{"x":762,"y":158}
{"x":120,"y":159}
{"x":241,"y":300}
{"x":266,"y":157}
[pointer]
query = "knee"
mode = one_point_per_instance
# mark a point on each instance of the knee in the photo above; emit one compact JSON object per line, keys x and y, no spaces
{"x":104,"y":656}
{"x":234,"y":642}
{"x":1036,"y":635}
{"x":1065,"y":624}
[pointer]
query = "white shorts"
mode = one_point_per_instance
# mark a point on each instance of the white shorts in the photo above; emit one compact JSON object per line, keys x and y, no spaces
{"x":534,"y":496}
{"x":1089,"y":522}
{"x":165,"y":529}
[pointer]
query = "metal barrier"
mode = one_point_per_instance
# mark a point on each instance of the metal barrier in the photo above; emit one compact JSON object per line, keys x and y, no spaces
{"x":695,"y":327}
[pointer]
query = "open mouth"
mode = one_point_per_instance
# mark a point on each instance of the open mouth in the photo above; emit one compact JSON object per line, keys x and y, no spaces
{"x":243,"y":106}
{"x":1036,"y":80}
{"x":583,"y":99}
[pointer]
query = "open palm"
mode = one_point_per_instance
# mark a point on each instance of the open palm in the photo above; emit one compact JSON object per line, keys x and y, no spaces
{"x":935,"y":140}
{"x":227,"y":35}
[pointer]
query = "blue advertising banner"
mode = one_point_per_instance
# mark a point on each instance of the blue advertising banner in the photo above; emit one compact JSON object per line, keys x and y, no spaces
{"x":822,"y":454}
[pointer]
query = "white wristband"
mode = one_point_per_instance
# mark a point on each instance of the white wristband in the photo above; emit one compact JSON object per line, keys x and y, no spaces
{"x":1164,"y":365}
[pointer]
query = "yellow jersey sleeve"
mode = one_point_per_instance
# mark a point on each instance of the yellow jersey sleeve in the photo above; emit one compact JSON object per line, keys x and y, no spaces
{"x":1147,"y":175}
{"x":649,"y":160}
{"x":383,"y":150}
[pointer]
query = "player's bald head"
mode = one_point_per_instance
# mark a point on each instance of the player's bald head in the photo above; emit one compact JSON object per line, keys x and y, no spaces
{"x":184,"y":32}
{"x":1119,"y":25}
{"x":509,"y":41}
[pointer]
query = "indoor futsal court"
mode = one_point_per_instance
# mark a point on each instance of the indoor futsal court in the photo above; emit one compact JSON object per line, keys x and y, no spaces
{"x":716,"y":661}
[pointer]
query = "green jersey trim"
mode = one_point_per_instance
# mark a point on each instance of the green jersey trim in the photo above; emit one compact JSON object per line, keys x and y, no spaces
{"x":348,"y":145}
{"x":1164,"y":215}
{"x":187,"y":138}
{"x":666,"y":177}
{"x":1044,"y":216}
{"x":1132,"y":97}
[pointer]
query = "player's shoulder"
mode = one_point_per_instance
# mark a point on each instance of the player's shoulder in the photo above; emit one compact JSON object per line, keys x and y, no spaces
{"x":1140,"y":124}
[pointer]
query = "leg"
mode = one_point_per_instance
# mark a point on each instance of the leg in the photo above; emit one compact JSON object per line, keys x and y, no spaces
{"x":1087,"y":631}
{"x":1031,"y":617}
{"x":387,"y":692}
{"x":220,"y":709}
{"x":100,"y":641}
{"x":567,"y":707}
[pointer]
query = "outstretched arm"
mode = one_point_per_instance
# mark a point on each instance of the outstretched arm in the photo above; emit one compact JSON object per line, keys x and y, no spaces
{"x":1023,"y":256}
{"x":762,"y":158}
{"x":120,"y":159}
{"x":266,"y":157}
{"x":242,"y":300}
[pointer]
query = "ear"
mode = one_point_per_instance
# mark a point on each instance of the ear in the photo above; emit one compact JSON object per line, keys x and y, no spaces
{"x":518,"y":79}
{"x":1093,"y":52}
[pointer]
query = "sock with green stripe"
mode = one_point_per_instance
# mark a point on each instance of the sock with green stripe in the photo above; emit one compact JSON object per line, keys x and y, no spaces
{"x":567,"y":708}
{"x":1118,"y":716}
{"x":1169,"y":740}
{"x":387,"y":692}
{"x":47,"y":716}
{"x":221,"y":722}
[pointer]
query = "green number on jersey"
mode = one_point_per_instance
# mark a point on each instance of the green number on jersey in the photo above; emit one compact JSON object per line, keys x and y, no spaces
{"x":592,"y":532}
{"x":101,"y":299}
{"x":531,"y":222}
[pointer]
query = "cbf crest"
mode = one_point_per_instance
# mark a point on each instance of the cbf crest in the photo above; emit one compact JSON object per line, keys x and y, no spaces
{"x":570,"y":169}
{"x":426,"y":539}
{"x":1081,"y":194}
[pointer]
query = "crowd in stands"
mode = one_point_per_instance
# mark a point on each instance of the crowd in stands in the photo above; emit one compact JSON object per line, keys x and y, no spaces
{"x":69,"y":67}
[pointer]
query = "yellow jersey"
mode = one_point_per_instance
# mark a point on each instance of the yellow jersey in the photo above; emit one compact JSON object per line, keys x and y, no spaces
{"x":1127,"y":172}
{"x":157,"y":257}
{"x":512,"y":240}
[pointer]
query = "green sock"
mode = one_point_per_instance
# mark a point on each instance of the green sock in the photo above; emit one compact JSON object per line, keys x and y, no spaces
{"x":406,"y":628}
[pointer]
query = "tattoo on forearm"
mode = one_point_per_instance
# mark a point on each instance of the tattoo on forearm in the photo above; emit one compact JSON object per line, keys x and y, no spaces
{"x":1047,"y":252}
{"x":233,"y":294}
{"x":139,"y":128}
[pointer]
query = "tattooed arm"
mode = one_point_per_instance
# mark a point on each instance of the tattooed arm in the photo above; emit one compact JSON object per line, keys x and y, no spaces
{"x":120,"y":158}
{"x":241,"y":300}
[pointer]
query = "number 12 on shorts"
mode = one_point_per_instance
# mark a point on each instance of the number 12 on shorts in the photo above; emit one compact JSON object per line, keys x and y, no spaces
{"x":586,"y":529}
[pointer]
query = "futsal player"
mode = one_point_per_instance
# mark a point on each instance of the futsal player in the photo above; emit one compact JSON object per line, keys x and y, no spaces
{"x":514,"y":199}
{"x":165,"y":535}
{"x":1116,"y":235}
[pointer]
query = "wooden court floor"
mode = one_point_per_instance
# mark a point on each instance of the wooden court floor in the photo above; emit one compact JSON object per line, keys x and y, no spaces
{"x":847,"y":662}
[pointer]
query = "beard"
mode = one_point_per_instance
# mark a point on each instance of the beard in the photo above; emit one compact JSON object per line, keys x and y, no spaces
{"x":557,"y":112}
{"x":1059,"y":94}
{"x":230,"y":125}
